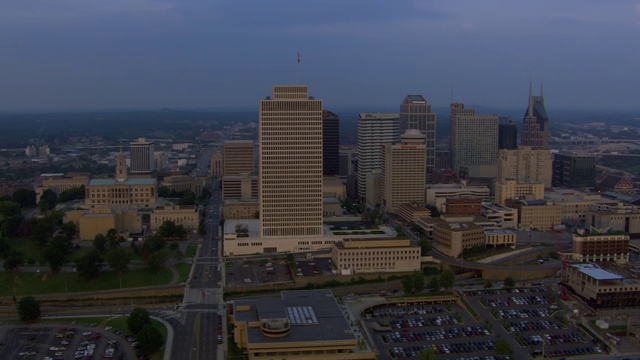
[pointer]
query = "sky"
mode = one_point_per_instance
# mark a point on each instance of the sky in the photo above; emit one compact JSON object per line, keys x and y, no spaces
{"x":195,"y":54}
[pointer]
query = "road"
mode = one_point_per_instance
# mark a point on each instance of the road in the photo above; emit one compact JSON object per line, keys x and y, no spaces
{"x":197,"y":335}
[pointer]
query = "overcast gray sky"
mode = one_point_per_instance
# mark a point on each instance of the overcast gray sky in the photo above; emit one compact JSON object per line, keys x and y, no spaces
{"x":85,"y":54}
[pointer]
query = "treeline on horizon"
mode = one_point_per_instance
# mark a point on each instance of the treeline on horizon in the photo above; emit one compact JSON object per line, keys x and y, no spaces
{"x":167,"y":123}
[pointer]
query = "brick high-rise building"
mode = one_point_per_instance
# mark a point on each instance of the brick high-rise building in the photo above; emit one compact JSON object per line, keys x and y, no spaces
{"x":290,"y":163}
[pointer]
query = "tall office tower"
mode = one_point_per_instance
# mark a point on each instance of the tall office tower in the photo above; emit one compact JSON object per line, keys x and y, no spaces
{"x":574,"y":170}
{"x":507,"y":133}
{"x":330,"y":143}
{"x":290,"y":163}
{"x":141,"y":156}
{"x":374,"y":129}
{"x":535,"y":132}
{"x":415,"y":113}
{"x":473,"y":141}
{"x":525,"y":165}
{"x":215,"y":164}
{"x":403,"y":171}
{"x":237,"y":157}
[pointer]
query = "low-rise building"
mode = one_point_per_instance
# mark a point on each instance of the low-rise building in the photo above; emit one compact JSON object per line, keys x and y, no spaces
{"x":500,"y":238}
{"x":450,"y":239}
{"x":536,"y":214}
{"x":60,"y":182}
{"x":463,"y":206}
{"x":511,"y":189}
{"x":600,"y":287}
{"x":618,"y":218}
{"x":302,"y":324}
{"x":594,"y":245}
{"x":504,"y":217}
{"x":375,"y":255}
{"x":410,"y":213}
{"x":240,"y":187}
{"x":94,"y":221}
{"x":185,"y":215}
{"x":436,"y":194}
{"x":576,"y":204}
{"x":182,"y":183}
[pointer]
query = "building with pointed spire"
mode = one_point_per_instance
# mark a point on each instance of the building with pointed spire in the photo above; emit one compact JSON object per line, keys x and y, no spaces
{"x":535,"y":131}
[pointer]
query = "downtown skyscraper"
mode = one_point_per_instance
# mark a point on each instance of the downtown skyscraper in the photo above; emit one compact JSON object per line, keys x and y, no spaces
{"x":535,"y":131}
{"x":290,"y":131}
{"x":415,"y":113}
{"x":473,"y":142}
{"x":374,"y":130}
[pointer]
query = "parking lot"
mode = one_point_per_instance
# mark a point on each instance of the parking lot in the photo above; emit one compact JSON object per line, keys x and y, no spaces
{"x":64,"y":341}
{"x":532,"y":320}
{"x":313,"y":267}
{"x":252,"y":273}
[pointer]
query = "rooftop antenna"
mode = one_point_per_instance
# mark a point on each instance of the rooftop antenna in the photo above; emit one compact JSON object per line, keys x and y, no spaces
{"x":298,"y":70}
{"x":542,"y":89}
{"x":452,"y":94}
{"x":530,"y":114}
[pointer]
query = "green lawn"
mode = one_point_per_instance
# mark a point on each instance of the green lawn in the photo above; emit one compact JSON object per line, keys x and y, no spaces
{"x":190,"y":251}
{"x":120,"y":323}
{"x":47,"y":283}
{"x":183,"y":270}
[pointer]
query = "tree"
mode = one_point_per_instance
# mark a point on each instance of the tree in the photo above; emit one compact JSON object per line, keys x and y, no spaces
{"x":138,"y":318}
{"x":44,"y":230}
{"x":180,"y":233}
{"x":4,"y":247}
{"x":164,"y":191}
{"x":447,"y":279}
{"x":62,"y":244}
{"x":89,"y":265}
{"x":425,"y":246}
{"x":157,"y":259}
{"x":100,"y":243}
{"x":434,"y":284}
{"x":412,"y":283}
{"x":28,"y":308}
{"x":118,"y":259}
{"x":188,"y":198}
{"x":150,"y":339}
{"x":10,"y":217}
{"x":12,"y":261}
{"x":509,"y":282}
{"x":167,"y":229}
{"x":112,"y":238}
{"x":69,"y":229}
{"x":48,"y":200}
{"x":75,"y":193}
{"x":54,"y":257}
{"x":24,"y":197}
{"x":488,"y":284}
{"x":201,"y":228}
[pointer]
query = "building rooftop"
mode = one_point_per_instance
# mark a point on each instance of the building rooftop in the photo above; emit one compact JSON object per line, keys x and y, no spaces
{"x":111,"y":182}
{"x":596,"y":272}
{"x":314,"y":316}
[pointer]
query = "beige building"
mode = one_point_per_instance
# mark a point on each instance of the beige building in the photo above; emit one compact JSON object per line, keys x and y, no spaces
{"x":525,"y":165}
{"x":593,"y":245}
{"x":96,"y":221}
{"x":302,"y":324}
{"x":185,"y":215}
{"x":290,"y":163}
{"x":240,"y":187}
{"x":142,"y":160}
{"x":332,"y":186}
{"x":182,"y":183}
{"x":241,"y":209}
{"x":536,"y":214}
{"x":60,"y":182}
{"x":450,"y":239}
{"x":403,"y":171}
{"x":620,"y":218}
{"x":500,"y":238}
{"x":412,"y":212}
{"x":473,"y":141}
{"x":121,"y":191}
{"x":600,"y":287}
{"x":504,"y":217}
{"x":238,"y":157}
{"x":375,"y":255}
{"x":576,"y":204}
{"x":374,"y":129}
{"x":511,"y":189}
{"x":216,"y":164}
{"x":374,"y":188}
{"x":437,"y":194}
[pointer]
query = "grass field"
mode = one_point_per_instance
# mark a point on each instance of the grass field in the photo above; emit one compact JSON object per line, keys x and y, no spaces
{"x":183,"y":271}
{"x":190,"y":251}
{"x":47,"y":283}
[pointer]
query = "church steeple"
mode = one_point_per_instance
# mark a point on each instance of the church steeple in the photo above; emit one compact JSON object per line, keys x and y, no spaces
{"x":121,"y":168}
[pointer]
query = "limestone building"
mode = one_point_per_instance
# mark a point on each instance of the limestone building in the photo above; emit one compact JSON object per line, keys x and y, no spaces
{"x":121,"y":191}
{"x":375,"y":255}
{"x":450,"y":239}
{"x":185,"y":215}
{"x":473,"y":141}
{"x":403,"y":171}
{"x":216,"y":164}
{"x":238,"y":157}
{"x":525,"y":165}
{"x":290,"y":163}
{"x":511,"y":189}
{"x":99,"y":220}
{"x":536,"y":214}
{"x":416,"y":113}
{"x":374,"y":129}
{"x":437,"y":194}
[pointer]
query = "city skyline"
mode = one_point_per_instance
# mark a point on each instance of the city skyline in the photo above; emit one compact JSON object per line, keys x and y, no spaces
{"x":165,"y":54}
